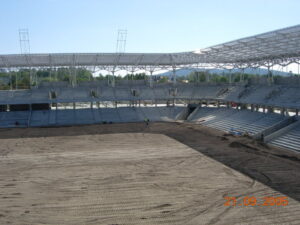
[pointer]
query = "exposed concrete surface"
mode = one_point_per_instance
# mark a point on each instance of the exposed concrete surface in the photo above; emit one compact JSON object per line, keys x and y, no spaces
{"x":131,"y":174}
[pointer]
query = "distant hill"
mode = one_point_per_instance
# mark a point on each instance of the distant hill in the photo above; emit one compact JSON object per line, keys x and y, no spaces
{"x":260,"y":71}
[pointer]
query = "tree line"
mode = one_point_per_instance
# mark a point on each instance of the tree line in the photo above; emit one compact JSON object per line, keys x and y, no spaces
{"x":25,"y":78}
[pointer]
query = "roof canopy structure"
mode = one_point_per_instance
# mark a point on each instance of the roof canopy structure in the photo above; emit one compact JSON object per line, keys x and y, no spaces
{"x":276,"y":47}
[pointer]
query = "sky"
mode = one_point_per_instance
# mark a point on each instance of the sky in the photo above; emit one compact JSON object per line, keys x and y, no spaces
{"x":152,"y":25}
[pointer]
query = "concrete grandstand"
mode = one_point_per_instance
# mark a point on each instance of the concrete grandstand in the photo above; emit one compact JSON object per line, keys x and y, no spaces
{"x":265,"y":109}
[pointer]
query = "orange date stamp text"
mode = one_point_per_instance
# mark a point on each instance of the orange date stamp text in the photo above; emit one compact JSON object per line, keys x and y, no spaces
{"x":253,"y":201}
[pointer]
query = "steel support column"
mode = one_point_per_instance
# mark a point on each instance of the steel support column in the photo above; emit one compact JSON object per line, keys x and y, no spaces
{"x":151,"y":78}
{"x":174,"y":76}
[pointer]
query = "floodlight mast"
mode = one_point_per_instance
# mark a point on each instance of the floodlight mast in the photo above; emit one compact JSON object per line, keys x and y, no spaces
{"x":24,"y":41}
{"x":121,"y":41}
{"x":25,"y":50}
{"x":120,"y":49}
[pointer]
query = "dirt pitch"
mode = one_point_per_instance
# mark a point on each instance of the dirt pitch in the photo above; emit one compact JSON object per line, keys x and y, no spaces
{"x":119,"y":174}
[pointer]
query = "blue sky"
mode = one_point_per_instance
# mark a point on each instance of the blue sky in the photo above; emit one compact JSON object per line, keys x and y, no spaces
{"x":152,"y":25}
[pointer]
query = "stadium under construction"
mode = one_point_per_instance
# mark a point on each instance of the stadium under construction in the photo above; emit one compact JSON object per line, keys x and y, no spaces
{"x":85,"y":152}
{"x":250,"y":107}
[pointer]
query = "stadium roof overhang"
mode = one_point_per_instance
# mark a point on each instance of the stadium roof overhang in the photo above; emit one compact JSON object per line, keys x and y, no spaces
{"x":276,"y":47}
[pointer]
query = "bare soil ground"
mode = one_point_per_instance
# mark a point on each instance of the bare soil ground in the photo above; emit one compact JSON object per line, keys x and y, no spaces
{"x":119,"y":174}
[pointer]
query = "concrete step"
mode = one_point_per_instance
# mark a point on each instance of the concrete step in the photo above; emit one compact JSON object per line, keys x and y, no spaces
{"x":52,"y":117}
{"x":286,"y":145}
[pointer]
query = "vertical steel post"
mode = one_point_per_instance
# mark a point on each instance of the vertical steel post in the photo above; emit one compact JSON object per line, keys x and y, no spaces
{"x":113,"y":78}
{"x":270,"y":76}
{"x":230,"y":76}
{"x":10,"y":80}
{"x":151,"y":78}
{"x":242,"y":75}
{"x":174,"y":76}
{"x":16,"y":81}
